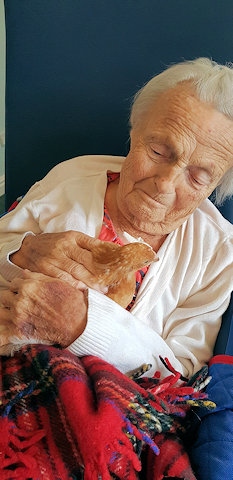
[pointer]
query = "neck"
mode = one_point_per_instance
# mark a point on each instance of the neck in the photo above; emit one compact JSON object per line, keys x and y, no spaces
{"x":121,"y":224}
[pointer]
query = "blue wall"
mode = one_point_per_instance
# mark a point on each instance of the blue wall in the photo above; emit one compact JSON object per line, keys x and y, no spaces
{"x":73,"y":67}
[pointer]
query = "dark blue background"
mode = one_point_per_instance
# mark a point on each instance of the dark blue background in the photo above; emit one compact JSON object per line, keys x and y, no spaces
{"x":74,"y":65}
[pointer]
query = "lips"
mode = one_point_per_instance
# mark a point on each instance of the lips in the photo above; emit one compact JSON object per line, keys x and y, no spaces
{"x":160,"y":200}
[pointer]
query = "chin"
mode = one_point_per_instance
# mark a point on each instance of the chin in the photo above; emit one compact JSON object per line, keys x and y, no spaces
{"x":145,"y":220}
{"x":156,"y":224}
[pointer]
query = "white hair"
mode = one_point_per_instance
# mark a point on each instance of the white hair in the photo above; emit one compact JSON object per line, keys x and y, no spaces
{"x":213,"y":83}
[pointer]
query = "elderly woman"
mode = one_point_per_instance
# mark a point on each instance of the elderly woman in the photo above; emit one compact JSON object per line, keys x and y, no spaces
{"x":181,"y":151}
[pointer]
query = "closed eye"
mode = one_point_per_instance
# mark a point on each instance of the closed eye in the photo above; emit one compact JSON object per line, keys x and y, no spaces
{"x":196,"y":180}
{"x":159,"y":149}
{"x":199,"y":176}
{"x":159,"y":155}
{"x":155,"y":152}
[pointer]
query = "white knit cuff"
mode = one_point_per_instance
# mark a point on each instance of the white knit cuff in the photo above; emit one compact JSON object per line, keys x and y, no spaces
{"x":100,"y":330}
{"x":8,"y":269}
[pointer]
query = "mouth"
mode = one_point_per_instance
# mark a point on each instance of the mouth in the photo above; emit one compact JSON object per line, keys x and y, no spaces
{"x":156,"y":200}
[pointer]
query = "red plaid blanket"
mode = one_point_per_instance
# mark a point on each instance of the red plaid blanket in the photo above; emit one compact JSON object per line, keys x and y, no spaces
{"x":63,"y":418}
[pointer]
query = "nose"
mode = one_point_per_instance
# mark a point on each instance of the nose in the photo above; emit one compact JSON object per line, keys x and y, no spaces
{"x":165,"y":180}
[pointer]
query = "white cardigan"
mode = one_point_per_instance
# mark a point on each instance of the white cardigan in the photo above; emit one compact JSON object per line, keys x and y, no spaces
{"x":178,"y":309}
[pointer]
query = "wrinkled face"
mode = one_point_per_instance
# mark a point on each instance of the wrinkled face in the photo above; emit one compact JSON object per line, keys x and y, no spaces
{"x":179,"y":153}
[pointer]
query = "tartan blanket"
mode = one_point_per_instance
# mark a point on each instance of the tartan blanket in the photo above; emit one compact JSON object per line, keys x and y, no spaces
{"x":69,"y":418}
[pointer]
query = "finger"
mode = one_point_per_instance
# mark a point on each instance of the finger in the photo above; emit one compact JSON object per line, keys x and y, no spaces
{"x":76,"y":275}
{"x":7,"y":298}
{"x":86,"y":242}
{"x":80,"y":273}
{"x":36,"y":276}
{"x":83,"y":286}
{"x":64,"y":276}
{"x":72,"y":272}
{"x":88,"y":281}
{"x":5,"y":317}
{"x":80,"y":250}
{"x":80,"y":256}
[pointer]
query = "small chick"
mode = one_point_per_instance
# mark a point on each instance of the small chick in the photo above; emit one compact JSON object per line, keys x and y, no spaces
{"x":116,"y":266}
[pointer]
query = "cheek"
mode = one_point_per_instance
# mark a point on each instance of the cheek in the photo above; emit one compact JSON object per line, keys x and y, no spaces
{"x":127,"y":177}
{"x":188,"y":201}
{"x":135,"y":167}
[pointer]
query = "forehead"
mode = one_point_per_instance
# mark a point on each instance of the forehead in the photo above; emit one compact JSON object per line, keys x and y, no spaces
{"x":177,"y":116}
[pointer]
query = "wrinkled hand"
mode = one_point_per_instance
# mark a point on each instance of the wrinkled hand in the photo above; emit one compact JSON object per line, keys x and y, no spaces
{"x":65,"y":255}
{"x":45,"y":308}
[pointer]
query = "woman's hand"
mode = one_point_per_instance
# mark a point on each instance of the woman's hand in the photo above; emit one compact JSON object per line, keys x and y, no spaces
{"x":44,"y":308}
{"x":65,"y":255}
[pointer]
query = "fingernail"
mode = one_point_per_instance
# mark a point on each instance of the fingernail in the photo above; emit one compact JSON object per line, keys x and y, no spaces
{"x":101,"y":289}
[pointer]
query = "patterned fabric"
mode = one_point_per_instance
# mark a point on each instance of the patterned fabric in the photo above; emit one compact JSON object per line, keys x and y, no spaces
{"x":81,"y":419}
{"x":109,"y":234}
